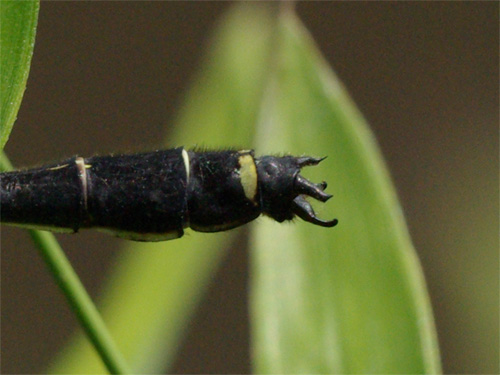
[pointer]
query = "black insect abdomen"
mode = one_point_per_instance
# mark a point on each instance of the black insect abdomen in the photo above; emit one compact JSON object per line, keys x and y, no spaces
{"x":43,"y":197}
{"x":216,"y":198}
{"x":141,"y":194}
{"x":154,"y":196}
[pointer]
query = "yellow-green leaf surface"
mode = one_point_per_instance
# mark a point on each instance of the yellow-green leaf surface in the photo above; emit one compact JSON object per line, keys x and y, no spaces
{"x":156,"y":287}
{"x":350,"y":299}
{"x":342,"y":300}
{"x":18,"y":21}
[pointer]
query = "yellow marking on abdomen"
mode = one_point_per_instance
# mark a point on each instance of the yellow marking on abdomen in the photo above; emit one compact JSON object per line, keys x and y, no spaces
{"x":58,"y":167}
{"x":248,"y":176}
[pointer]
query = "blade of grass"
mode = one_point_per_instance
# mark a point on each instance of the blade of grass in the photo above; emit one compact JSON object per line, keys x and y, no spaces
{"x":74,"y":291}
{"x":5,"y":164}
{"x":18,"y":20}
{"x":155,"y":288}
{"x":80,"y":302}
{"x":350,"y":299}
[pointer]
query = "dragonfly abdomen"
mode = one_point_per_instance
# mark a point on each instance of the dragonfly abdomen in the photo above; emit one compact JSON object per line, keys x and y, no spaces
{"x":153,"y":196}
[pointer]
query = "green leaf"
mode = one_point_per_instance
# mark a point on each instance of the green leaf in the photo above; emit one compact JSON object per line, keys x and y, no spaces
{"x":350,"y":299}
{"x":18,"y":20}
{"x":151,"y":297}
{"x":342,"y":300}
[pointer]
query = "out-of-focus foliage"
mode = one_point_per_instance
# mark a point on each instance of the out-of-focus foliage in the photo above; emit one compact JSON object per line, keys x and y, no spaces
{"x":18,"y":20}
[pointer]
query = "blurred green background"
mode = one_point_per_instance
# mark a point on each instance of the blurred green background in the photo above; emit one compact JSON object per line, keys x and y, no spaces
{"x":425,"y":75}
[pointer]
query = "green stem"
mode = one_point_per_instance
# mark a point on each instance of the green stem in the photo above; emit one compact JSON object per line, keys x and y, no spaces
{"x":77,"y":296}
{"x":5,"y":164}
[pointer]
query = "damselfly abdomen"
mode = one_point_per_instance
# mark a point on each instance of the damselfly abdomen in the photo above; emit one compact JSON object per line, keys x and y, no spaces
{"x":154,"y":196}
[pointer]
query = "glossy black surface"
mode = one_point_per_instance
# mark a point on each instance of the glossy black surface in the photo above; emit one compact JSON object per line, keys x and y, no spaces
{"x":149,"y":196}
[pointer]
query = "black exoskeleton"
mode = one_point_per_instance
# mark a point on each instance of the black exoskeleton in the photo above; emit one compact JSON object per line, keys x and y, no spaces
{"x":154,"y":196}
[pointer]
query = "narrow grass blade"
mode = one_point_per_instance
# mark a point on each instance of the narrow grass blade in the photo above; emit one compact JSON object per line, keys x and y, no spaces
{"x":151,"y":297}
{"x":18,"y":20}
{"x":76,"y":295}
{"x":350,"y":299}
